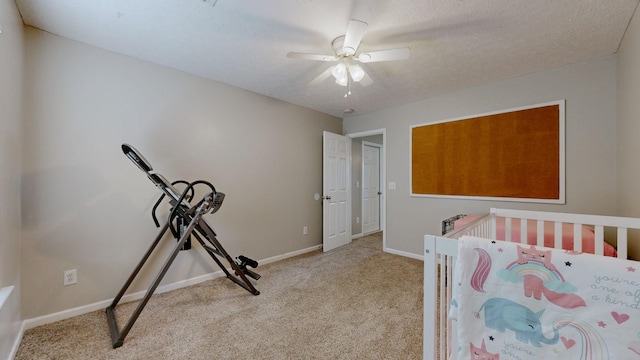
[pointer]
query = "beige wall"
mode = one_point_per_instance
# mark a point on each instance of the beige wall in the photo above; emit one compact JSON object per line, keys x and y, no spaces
{"x":88,"y":207}
{"x":11,"y":64}
{"x":589,"y":89}
{"x":628,"y":174}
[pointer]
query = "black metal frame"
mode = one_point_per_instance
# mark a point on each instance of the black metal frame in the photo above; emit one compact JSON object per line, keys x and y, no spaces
{"x":181,"y":212}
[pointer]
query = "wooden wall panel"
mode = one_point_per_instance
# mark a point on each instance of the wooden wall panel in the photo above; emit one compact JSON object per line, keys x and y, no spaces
{"x":515,"y":154}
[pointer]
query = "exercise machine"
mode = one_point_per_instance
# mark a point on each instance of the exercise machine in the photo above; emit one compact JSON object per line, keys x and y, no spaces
{"x":184,"y":220}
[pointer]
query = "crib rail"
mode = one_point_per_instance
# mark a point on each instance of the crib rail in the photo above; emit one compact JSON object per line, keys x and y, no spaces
{"x":480,"y":227}
{"x":439,"y":330}
{"x":600,"y":223}
{"x":616,"y":228}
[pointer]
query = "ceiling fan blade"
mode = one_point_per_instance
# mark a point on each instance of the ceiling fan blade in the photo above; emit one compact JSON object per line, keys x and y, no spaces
{"x":385,"y":55}
{"x":297,"y":55}
{"x":355,"y":32}
{"x":322,"y":77}
{"x":366,"y":80}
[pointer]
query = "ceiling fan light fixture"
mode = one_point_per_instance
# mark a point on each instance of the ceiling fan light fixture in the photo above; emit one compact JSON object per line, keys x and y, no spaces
{"x":340,"y":71}
{"x":356,"y":72}
{"x":345,"y":47}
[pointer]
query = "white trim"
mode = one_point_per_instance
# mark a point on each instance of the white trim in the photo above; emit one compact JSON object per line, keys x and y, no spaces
{"x":18,"y":340}
{"x":5,"y":295}
{"x":404,"y":253}
{"x":290,"y":254}
{"x":490,"y":198}
{"x":383,"y":177}
{"x":100,"y":305}
{"x":562,"y":153}
{"x":372,"y":144}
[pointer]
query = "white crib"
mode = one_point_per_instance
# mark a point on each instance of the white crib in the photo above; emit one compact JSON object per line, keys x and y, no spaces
{"x":441,"y":252}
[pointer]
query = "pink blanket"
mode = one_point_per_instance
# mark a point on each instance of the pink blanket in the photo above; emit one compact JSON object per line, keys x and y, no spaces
{"x":588,"y":234}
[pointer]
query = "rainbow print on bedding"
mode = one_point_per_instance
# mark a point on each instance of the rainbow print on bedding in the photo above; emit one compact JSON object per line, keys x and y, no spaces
{"x":526,"y":302}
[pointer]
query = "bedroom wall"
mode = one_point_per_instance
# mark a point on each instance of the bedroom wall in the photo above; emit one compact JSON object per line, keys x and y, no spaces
{"x":87,"y":207}
{"x":11,"y":69}
{"x":628,"y":107}
{"x":590,"y":92}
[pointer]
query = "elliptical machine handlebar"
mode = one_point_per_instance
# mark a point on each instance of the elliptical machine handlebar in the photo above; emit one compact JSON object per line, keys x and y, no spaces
{"x":213,"y":198}
{"x":137,"y":158}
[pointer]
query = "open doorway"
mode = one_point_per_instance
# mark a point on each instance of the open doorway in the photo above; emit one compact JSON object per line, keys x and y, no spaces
{"x":367,"y":214}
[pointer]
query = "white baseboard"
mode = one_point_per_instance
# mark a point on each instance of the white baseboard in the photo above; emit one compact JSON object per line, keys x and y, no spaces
{"x":69,"y":313}
{"x":16,"y":343}
{"x":289,"y":255}
{"x":404,"y":253}
{"x":11,"y":328}
{"x":356,"y":236}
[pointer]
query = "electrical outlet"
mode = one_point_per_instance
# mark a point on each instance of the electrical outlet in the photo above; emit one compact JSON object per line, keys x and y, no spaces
{"x":70,"y":277}
{"x":357,"y":219}
{"x":305,"y":230}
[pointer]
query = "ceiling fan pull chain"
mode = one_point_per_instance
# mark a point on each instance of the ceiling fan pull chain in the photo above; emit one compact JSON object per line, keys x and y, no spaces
{"x":348,"y":89}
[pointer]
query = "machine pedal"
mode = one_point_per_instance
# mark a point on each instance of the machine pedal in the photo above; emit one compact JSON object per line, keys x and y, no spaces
{"x":243,"y":262}
{"x":251,"y":274}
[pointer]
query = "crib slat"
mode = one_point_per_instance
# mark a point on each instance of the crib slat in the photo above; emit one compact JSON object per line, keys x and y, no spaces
{"x":557,"y":235}
{"x":523,"y":231}
{"x":540,"y":233}
{"x":432,"y":268}
{"x":483,"y":230}
{"x":507,"y":229}
{"x":599,"y":246}
{"x":451,"y":292}
{"x":577,"y":234}
{"x":442,"y":300}
{"x":494,"y":226}
{"x":622,"y":243}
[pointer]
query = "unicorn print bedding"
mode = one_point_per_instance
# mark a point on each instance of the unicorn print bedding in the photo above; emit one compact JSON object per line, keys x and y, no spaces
{"x":517,"y":301}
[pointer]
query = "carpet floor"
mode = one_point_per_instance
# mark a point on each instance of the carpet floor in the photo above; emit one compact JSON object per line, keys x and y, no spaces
{"x":354,"y":302}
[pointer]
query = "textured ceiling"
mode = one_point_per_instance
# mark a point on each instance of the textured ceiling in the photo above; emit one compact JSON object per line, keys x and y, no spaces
{"x":455,"y":44}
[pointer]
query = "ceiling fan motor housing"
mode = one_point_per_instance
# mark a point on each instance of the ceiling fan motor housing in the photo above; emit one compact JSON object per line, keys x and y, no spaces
{"x":338,"y":47}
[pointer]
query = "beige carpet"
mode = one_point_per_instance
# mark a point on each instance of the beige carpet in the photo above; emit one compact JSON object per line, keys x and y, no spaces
{"x":355,"y":302}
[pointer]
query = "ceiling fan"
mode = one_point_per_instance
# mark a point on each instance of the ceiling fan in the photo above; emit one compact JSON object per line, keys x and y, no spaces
{"x":347,"y":68}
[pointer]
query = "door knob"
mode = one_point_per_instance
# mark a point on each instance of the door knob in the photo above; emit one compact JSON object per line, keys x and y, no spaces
{"x":327,"y":197}
{"x":379,"y":193}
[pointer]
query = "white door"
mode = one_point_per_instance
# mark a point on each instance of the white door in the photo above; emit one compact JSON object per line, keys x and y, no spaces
{"x":336,"y":206}
{"x":370,"y":188}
